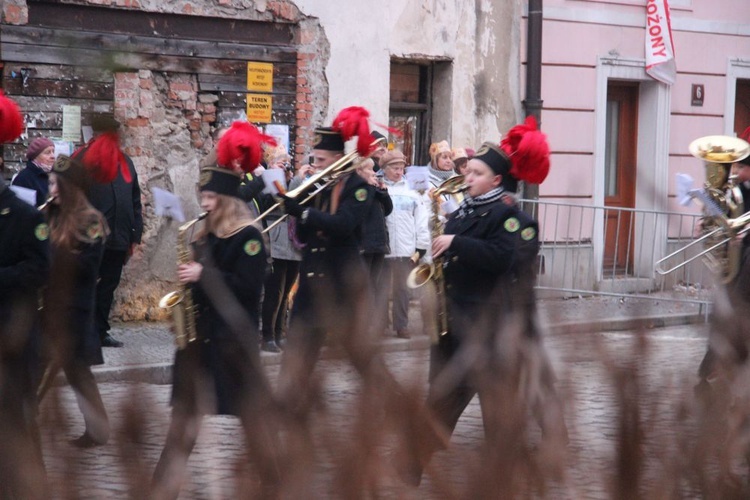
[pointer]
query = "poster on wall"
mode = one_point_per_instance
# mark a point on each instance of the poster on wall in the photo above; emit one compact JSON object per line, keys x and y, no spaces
{"x":71,"y":123}
{"x":280,"y":132}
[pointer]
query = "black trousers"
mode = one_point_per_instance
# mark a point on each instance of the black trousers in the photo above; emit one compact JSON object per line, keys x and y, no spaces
{"x":110,"y":271}
{"x":275,"y":297}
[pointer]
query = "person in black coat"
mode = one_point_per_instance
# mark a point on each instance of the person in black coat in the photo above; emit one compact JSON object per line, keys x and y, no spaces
{"x":375,"y":244}
{"x":40,"y":156}
{"x":24,"y":267}
{"x":333,"y":277}
{"x":488,"y":251}
{"x":219,"y":371}
{"x":77,"y":234}
{"x":120,"y":202}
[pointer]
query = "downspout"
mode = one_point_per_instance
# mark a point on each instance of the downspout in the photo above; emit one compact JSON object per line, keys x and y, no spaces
{"x":533,"y":103}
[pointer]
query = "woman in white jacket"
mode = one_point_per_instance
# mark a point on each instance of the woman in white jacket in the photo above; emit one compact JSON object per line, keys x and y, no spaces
{"x":408,"y":232}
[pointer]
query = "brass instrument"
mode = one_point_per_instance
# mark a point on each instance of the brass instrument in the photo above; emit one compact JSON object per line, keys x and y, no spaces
{"x":329,"y":176}
{"x":723,"y":218}
{"x":423,"y":273}
{"x":179,"y":303}
{"x":46,"y":203}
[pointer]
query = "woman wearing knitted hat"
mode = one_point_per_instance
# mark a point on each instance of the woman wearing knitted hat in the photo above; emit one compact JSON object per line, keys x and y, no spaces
{"x":40,"y":156}
{"x":219,"y":373}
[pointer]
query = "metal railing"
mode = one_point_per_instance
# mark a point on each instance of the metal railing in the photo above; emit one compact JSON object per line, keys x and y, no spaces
{"x":595,"y":250}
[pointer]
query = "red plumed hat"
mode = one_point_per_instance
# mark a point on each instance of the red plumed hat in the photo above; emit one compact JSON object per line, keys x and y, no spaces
{"x":528,"y":151}
{"x":11,"y":122}
{"x":242,"y":142}
{"x":354,"y":121}
{"x":745,"y":136}
{"x":103,"y":158}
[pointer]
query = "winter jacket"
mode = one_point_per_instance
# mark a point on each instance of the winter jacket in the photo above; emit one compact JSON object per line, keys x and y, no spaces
{"x":407,"y":223}
{"x":374,"y":232}
{"x":33,"y":177}
{"x":120,"y":203}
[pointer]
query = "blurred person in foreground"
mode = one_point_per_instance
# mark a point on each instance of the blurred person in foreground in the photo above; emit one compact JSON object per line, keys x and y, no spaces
{"x":729,"y":338}
{"x":40,"y":156}
{"x":409,"y":237}
{"x":219,"y":371}
{"x":120,"y":202}
{"x":24,"y":267}
{"x":77,"y":234}
{"x":492,"y":348}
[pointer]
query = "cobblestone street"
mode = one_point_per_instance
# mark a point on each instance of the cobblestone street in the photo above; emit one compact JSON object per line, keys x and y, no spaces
{"x":674,"y":354}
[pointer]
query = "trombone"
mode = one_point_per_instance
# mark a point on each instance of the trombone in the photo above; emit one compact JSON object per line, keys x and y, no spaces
{"x":734,"y":227}
{"x":330,"y":175}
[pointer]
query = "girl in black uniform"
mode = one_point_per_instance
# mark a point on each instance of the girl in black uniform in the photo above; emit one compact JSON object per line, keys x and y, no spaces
{"x":77,"y":235}
{"x":219,"y":372}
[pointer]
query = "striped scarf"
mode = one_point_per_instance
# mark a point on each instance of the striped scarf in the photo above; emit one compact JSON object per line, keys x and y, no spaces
{"x":469,"y":204}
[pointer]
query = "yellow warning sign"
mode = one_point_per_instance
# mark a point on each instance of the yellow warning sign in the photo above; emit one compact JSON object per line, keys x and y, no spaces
{"x":260,"y":77}
{"x":259,"y":108}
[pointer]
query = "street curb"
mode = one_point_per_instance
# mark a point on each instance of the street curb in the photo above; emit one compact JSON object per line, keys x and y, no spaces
{"x":161,"y":373}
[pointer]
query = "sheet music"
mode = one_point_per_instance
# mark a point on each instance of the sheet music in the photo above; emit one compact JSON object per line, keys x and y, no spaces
{"x":166,"y":204}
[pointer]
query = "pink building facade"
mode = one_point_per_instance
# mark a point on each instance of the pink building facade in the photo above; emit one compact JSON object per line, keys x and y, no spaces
{"x":619,"y":137}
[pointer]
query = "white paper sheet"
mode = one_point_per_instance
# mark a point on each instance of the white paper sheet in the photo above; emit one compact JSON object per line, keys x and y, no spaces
{"x":166,"y":204}
{"x":418,"y":178}
{"x":25,"y":194}
{"x":273,"y":174}
{"x":684,"y":185}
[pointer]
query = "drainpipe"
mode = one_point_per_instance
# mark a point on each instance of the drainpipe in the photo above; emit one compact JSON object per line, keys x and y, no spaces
{"x":533,"y":103}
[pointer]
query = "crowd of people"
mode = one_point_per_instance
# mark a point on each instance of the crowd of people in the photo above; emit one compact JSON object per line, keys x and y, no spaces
{"x":336,"y":240}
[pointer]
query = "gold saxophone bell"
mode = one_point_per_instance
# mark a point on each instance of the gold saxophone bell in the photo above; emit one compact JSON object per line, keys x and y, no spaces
{"x":420,"y":275}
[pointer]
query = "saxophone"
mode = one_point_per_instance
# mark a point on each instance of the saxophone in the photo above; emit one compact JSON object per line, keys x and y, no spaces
{"x":179,"y":303}
{"x":424,"y":273}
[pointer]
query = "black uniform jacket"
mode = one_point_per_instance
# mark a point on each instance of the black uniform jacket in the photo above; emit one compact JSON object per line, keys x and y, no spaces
{"x":24,"y":268}
{"x":492,"y":244}
{"x":332,"y":261}
{"x":215,"y":365}
{"x":69,"y":298}
{"x":333,"y":239}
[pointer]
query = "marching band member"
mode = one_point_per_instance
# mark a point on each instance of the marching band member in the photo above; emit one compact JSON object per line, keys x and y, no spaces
{"x":24,"y":266}
{"x":219,"y":372}
{"x":77,"y":233}
{"x":333,"y":281}
{"x":488,"y":249}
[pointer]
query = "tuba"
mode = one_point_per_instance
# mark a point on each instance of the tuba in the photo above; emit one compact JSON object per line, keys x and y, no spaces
{"x":179,"y":303}
{"x":722,"y":218}
{"x":424,"y":273}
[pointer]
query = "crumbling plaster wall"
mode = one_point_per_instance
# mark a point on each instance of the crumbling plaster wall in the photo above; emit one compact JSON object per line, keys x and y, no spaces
{"x":480,"y":38}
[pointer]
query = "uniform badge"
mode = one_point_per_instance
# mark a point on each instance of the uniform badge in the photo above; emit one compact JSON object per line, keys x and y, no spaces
{"x":252,"y":247}
{"x":41,"y":231}
{"x":361,"y":194}
{"x":5,"y":211}
{"x":94,"y":231}
{"x":511,"y":225}
{"x":528,"y":234}
{"x":205,"y":177}
{"x":482,"y":150}
{"x":317,"y":139}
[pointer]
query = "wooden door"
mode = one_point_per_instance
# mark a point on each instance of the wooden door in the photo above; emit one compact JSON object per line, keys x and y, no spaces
{"x":742,"y":106}
{"x":620,"y":176}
